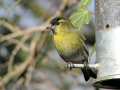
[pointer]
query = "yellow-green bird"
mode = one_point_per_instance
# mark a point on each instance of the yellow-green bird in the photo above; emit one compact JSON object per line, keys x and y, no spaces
{"x":70,"y":45}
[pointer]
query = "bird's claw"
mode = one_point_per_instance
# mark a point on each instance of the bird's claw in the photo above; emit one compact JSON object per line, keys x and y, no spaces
{"x":69,"y":66}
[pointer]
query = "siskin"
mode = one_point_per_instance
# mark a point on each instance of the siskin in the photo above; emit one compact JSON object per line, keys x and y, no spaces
{"x":70,"y":45}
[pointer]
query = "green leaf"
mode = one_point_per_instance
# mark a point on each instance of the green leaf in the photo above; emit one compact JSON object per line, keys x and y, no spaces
{"x":80,"y":18}
{"x":85,"y":3}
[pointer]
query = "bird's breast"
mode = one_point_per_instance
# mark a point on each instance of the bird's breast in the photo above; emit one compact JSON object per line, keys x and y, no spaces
{"x":68,"y":46}
{"x":66,"y":43}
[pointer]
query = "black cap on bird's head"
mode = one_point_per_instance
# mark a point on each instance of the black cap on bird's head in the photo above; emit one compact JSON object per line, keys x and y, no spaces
{"x":55,"y":21}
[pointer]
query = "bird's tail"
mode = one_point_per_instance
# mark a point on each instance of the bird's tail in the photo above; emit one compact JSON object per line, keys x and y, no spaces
{"x":89,"y":72}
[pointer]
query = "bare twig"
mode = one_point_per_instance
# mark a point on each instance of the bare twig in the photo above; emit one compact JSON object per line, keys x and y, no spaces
{"x":18,"y":83}
{"x":14,"y":52}
{"x":1,"y":86}
{"x":34,"y":54}
{"x":17,"y":42}
{"x":42,"y":28}
{"x":63,"y":6}
{"x":10,"y":26}
{"x":29,"y":74}
{"x":19,"y":69}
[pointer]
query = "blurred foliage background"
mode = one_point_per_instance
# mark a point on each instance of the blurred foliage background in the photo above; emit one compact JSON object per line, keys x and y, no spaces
{"x":28,"y":59}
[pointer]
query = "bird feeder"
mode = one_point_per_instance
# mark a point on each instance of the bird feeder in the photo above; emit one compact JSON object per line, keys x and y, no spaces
{"x":108,"y":57}
{"x":108,"y":43}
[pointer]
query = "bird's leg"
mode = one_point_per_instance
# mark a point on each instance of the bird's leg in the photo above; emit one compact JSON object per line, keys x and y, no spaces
{"x":85,"y":71}
{"x":85,"y":64}
{"x":88,"y":71}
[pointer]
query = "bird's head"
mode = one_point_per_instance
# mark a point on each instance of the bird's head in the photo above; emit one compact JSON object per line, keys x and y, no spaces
{"x":59,"y":24}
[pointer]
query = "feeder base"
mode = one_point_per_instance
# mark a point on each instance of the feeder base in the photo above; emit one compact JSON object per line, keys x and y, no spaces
{"x":108,"y":82}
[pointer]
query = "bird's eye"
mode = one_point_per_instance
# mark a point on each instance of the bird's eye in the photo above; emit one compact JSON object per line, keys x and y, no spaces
{"x":57,"y":23}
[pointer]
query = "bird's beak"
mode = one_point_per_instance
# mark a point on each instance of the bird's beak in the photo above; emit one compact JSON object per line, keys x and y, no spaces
{"x":53,"y":29}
